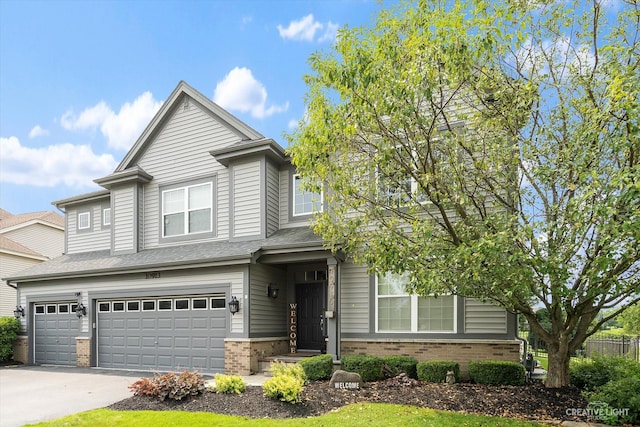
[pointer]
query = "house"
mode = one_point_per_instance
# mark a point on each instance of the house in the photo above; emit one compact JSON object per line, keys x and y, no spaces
{"x":25,"y":240}
{"x":197,"y":254}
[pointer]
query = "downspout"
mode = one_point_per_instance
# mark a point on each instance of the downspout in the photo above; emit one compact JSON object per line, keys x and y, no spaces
{"x":524,"y":341}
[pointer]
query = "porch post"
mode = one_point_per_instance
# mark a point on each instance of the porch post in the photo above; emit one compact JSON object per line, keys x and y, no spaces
{"x":331,"y":314}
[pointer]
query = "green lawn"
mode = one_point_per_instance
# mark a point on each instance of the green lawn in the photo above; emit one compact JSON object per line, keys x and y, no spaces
{"x":359,"y":414}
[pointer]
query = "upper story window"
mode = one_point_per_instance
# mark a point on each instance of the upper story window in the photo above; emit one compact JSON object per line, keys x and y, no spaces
{"x":106,"y":216}
{"x":305,"y":202}
{"x":187,"y":210}
{"x":398,"y":185}
{"x":84,"y":220}
{"x":399,"y":311}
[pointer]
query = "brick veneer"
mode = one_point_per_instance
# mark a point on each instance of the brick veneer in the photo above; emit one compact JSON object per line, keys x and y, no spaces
{"x":242,"y":356}
{"x":83,"y":352}
{"x":461,"y":351}
{"x":21,"y":349}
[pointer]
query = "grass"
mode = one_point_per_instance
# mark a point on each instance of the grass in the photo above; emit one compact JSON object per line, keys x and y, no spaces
{"x":356,"y":415}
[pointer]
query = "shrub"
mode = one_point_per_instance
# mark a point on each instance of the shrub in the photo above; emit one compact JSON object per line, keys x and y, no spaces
{"x":435,"y":371}
{"x":496,"y":372}
{"x":395,"y":365}
{"x":369,"y":367}
{"x":619,"y":400}
{"x":9,"y":328}
{"x":590,"y":374}
{"x":172,"y":386}
{"x":286,"y":384}
{"x":229,"y":384}
{"x":318,"y":367}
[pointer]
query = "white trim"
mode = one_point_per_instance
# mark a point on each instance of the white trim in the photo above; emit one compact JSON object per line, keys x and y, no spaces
{"x":82,"y":215}
{"x":293,"y":199}
{"x":185,"y":209}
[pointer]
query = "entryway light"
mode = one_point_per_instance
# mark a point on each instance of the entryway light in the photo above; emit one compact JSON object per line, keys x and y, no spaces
{"x":81,"y":310}
{"x":18,"y":312}
{"x":234,"y":305}
{"x":271,"y":291}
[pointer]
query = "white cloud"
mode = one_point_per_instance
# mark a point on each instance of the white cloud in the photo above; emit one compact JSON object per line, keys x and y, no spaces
{"x":293,"y":124}
{"x":240,"y":91}
{"x":305,"y":29}
{"x":37,"y":131}
{"x":62,"y":164}
{"x":535,"y":58}
{"x":121,"y":129}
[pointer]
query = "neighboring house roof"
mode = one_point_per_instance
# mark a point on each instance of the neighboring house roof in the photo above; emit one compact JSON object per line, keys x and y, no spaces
{"x":10,"y":221}
{"x":9,"y":246}
{"x":190,"y":255}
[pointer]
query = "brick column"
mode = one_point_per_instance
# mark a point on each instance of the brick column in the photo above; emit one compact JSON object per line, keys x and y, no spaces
{"x":21,"y":349}
{"x":83,"y":352}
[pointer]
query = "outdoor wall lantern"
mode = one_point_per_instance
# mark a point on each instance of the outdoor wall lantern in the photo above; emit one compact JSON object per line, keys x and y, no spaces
{"x":81,"y":310}
{"x":271,"y":291}
{"x":234,"y":305}
{"x":18,"y":312}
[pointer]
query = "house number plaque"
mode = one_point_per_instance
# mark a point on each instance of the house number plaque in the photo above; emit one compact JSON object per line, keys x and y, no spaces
{"x":152,"y":275}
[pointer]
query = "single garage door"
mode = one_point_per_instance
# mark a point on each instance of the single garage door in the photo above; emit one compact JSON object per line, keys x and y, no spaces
{"x":55,"y":331}
{"x":163,"y":334}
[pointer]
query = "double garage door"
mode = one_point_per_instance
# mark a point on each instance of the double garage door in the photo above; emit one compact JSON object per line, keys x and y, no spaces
{"x":163,"y":334}
{"x":158,"y":334}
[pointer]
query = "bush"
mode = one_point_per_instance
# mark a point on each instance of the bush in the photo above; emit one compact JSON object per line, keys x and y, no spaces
{"x":229,"y":384}
{"x":496,"y":372}
{"x":435,"y":371}
{"x":173,"y":386}
{"x":318,"y":367}
{"x":590,"y":374}
{"x":9,"y":328}
{"x":369,"y":367}
{"x":619,"y":401}
{"x":394,"y":365}
{"x":286,"y":384}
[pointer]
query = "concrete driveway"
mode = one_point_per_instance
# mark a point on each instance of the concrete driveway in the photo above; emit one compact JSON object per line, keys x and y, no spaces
{"x":30,"y":394}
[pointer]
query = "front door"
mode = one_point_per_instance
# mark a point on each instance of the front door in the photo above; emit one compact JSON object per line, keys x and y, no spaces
{"x":310,"y":299}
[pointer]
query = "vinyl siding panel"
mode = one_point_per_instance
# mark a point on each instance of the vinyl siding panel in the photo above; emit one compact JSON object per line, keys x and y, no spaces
{"x":268,"y":315}
{"x":95,"y":239}
{"x":123,"y":219}
{"x":10,"y":264}
{"x":180,"y":153}
{"x":354,"y":298}
{"x":273,"y":199}
{"x":247,"y":215}
{"x":43,"y":239}
{"x":483,"y":318}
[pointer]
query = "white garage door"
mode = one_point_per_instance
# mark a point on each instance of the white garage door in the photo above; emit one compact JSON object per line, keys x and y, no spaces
{"x":163,"y":334}
{"x":55,"y":332}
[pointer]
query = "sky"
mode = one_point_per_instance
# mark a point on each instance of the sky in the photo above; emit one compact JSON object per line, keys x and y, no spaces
{"x":80,"y":80}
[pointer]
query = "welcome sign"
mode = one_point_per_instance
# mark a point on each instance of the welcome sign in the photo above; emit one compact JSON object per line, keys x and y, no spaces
{"x":293,"y":328}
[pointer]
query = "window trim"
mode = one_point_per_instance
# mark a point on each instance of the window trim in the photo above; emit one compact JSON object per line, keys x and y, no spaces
{"x":414,"y":313}
{"x":82,"y":214}
{"x":104,"y":217}
{"x":294,"y":177}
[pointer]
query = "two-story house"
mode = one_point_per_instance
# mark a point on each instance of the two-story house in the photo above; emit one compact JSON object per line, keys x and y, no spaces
{"x":198,"y":254}
{"x":26,"y":239}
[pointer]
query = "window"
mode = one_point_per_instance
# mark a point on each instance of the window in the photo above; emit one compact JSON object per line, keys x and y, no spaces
{"x":217,"y":303}
{"x":39,"y":309}
{"x":187,"y":210}
{"x":182,"y":304}
{"x":51,"y":309}
{"x":305,"y":202}
{"x":104,"y":307}
{"x":399,"y":311}
{"x":165,"y":304}
{"x":84,"y":220}
{"x":199,"y":303}
{"x":398,"y":186}
{"x":117,"y":306}
{"x":149,"y":305}
{"x":106,"y":216}
{"x":63,"y":308}
{"x":133,"y":305}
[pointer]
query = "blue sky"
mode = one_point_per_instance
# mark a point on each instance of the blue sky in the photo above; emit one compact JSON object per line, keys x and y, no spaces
{"x":79,"y":80}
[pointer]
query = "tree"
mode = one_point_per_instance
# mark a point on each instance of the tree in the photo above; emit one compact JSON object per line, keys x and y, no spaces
{"x":630,"y":320}
{"x":490,"y":149}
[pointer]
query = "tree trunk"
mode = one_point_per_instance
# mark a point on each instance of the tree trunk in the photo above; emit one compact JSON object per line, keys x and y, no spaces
{"x":558,"y":373}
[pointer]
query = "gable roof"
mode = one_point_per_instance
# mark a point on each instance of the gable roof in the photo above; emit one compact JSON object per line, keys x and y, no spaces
{"x":8,"y":221}
{"x":235,"y":125}
{"x":11,"y":247}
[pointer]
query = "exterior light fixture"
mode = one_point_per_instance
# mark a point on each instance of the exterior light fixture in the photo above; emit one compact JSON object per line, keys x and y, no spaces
{"x":18,"y":312}
{"x":234,"y":305}
{"x":81,"y":310}
{"x":271,"y":291}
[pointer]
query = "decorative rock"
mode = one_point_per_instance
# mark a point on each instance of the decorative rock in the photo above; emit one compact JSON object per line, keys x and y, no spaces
{"x":346,"y":380}
{"x":451,"y":378}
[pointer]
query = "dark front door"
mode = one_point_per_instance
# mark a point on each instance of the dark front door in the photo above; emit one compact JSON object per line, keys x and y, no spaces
{"x":310,"y":299}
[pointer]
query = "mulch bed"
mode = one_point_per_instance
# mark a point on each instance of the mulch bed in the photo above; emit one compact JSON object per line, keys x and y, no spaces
{"x":529,"y":402}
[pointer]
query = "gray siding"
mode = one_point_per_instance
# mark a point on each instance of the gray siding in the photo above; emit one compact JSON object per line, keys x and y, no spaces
{"x":95,"y":239}
{"x":180,"y":153}
{"x":10,"y":264}
{"x":273,"y":199}
{"x":268,"y":315}
{"x":354,"y":298}
{"x":247,"y":191}
{"x":123,"y":217}
{"x":483,"y":318}
{"x":46,"y":240}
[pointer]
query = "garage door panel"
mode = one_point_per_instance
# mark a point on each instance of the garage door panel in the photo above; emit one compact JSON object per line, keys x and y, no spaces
{"x":55,"y":334}
{"x":199,"y":323}
{"x":181,"y":343}
{"x":148,"y":323}
{"x":182,"y":323}
{"x":165,"y":342}
{"x":165,"y":324}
